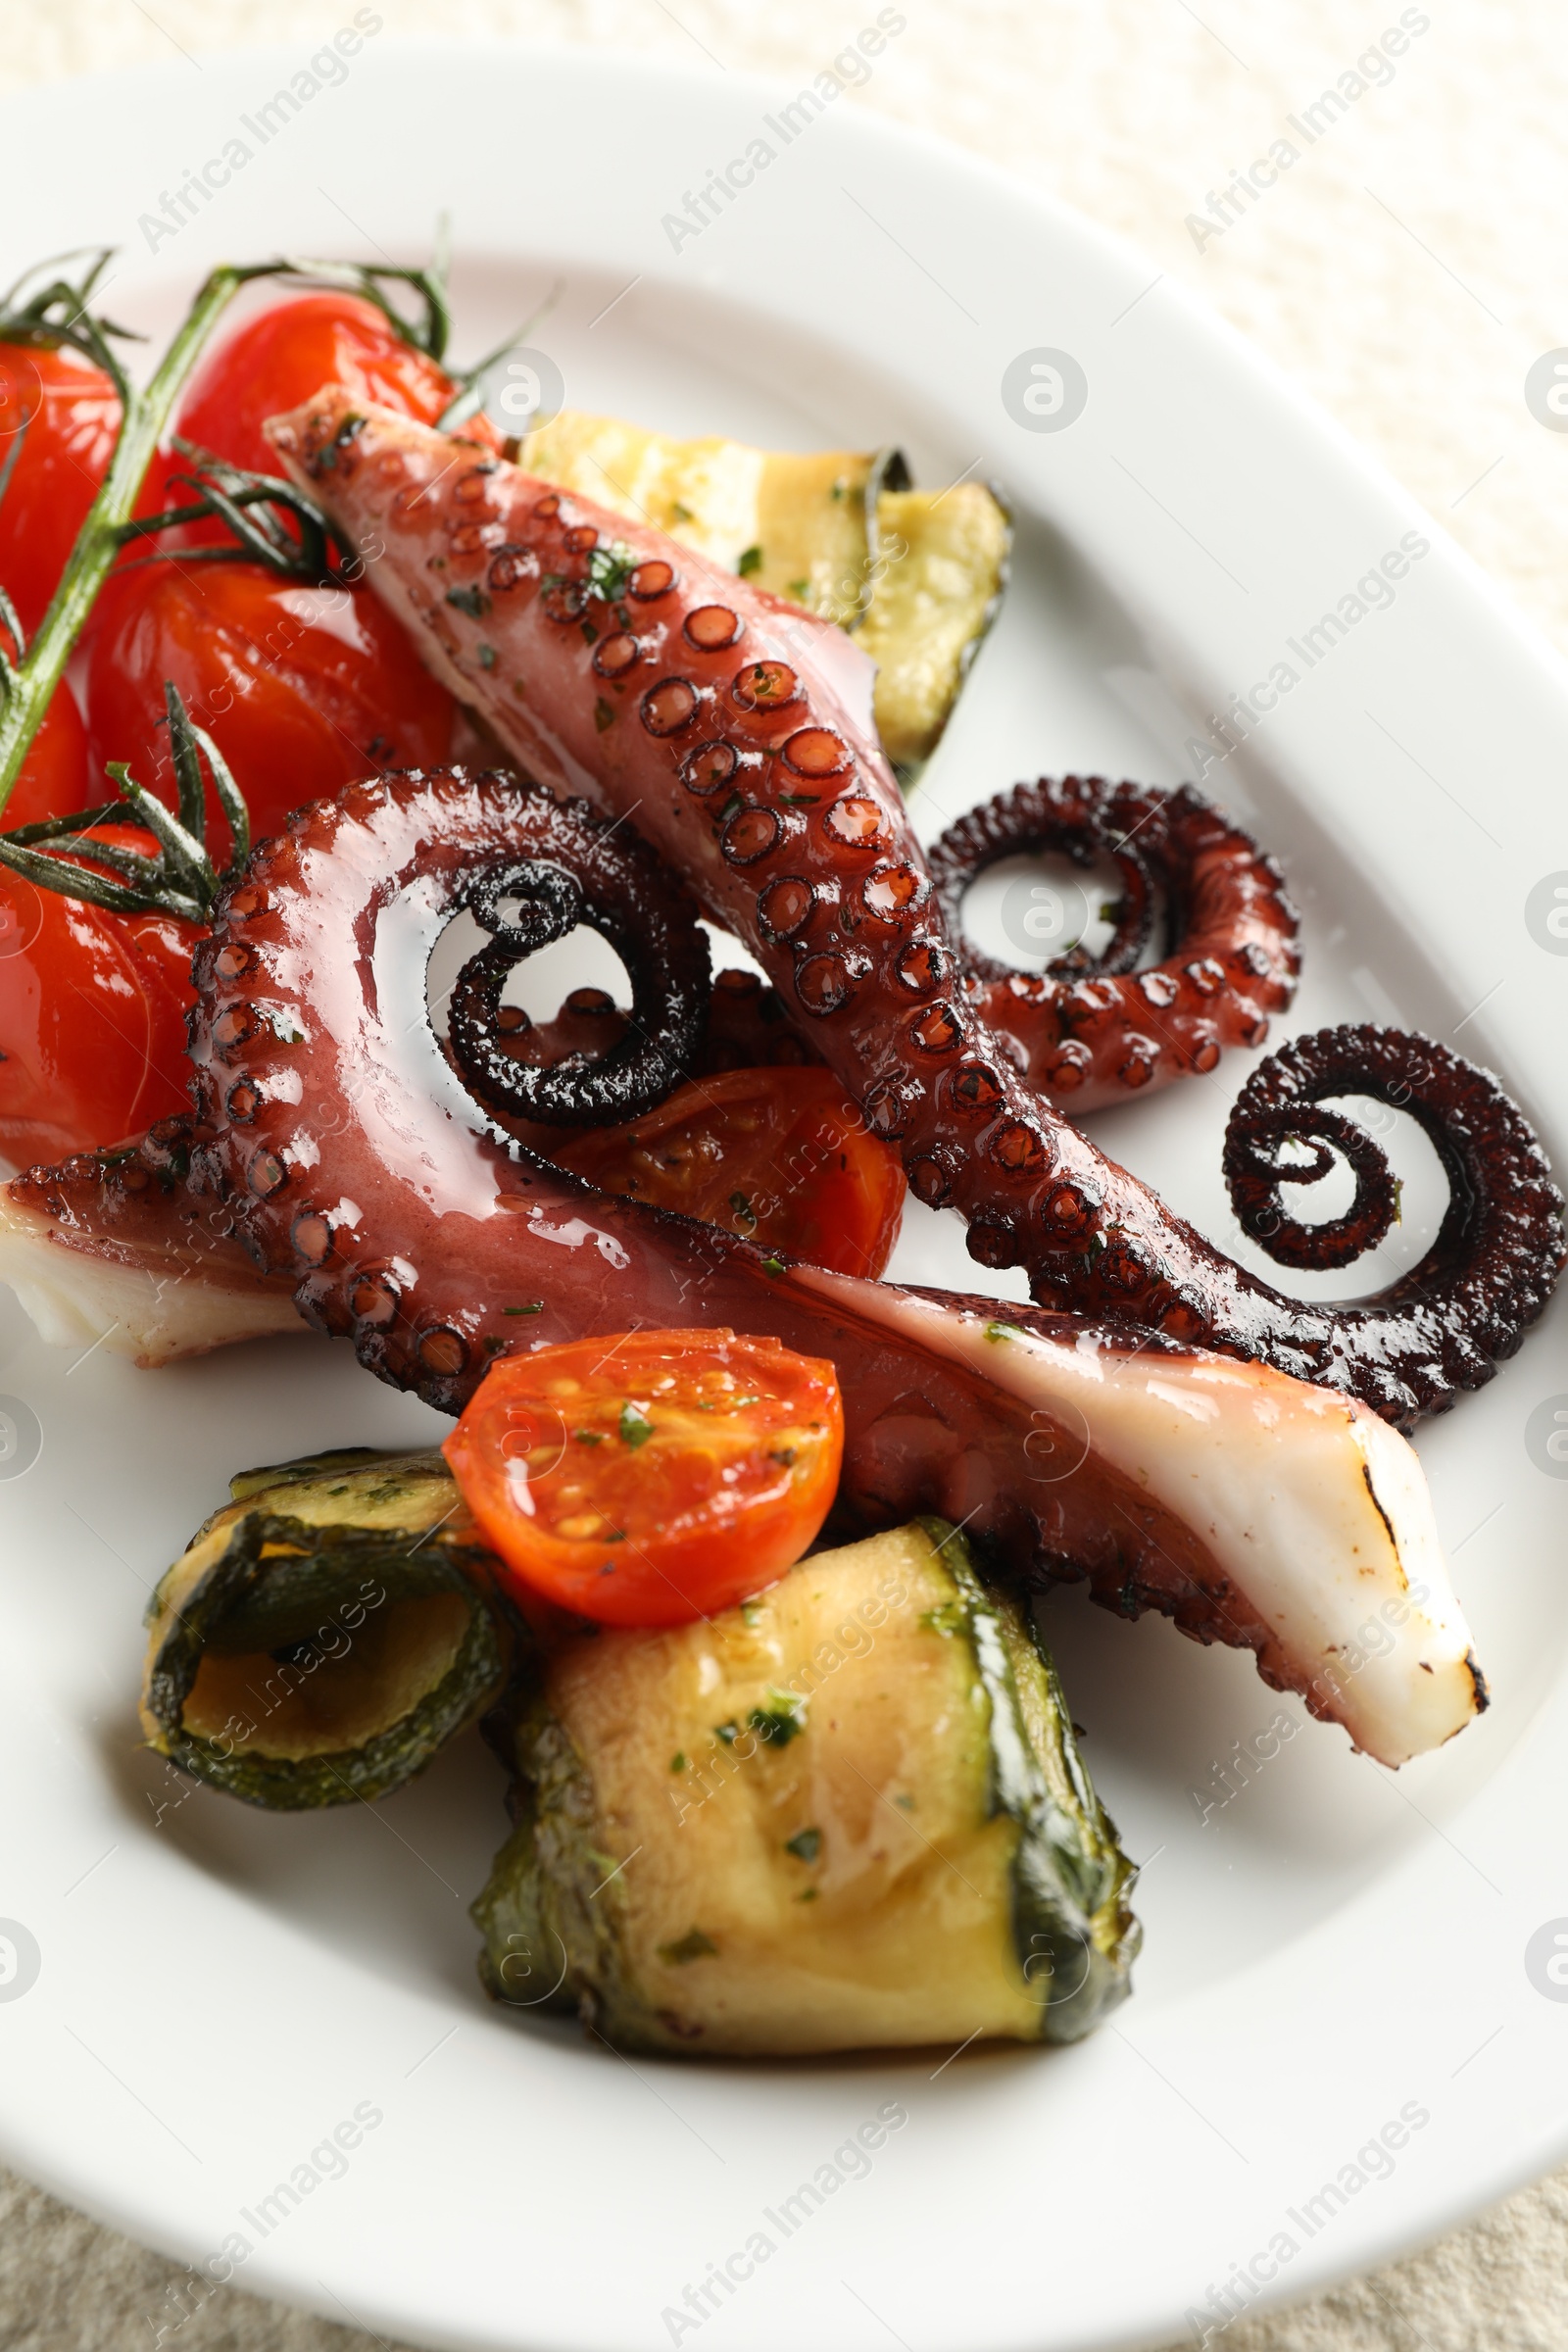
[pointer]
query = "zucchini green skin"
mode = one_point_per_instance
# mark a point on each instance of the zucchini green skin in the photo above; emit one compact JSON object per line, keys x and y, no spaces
{"x":307,"y":1546}
{"x":1072,"y":1926}
{"x":558,"y":1915}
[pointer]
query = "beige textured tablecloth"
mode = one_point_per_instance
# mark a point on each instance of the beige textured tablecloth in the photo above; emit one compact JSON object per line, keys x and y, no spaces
{"x":1406,"y":270}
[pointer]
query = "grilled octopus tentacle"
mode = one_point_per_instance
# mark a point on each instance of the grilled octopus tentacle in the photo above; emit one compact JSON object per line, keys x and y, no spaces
{"x":1095,"y":1029}
{"x":334,"y":1139}
{"x":738,"y":732}
{"x":581,"y":874}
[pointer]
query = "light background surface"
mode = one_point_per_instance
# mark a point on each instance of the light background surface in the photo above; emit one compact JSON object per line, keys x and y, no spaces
{"x":1406,"y":271}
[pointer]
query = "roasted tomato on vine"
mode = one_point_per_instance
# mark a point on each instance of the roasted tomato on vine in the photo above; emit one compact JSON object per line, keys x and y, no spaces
{"x":57,"y":775}
{"x":304,"y":689}
{"x":92,"y":1016}
{"x":68,"y":413}
{"x":282,"y":354}
{"x":781,"y":1157}
{"x":652,"y":1477}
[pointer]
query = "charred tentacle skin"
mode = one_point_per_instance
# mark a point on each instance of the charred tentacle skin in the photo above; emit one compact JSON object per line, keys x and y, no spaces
{"x":579,"y":871}
{"x":736,"y":734}
{"x":1494,"y":1261}
{"x":1095,"y":1030}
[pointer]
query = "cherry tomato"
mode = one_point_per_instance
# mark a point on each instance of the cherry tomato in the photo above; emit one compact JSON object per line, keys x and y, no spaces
{"x":276,"y":359}
{"x":303,"y":689}
{"x":70,"y":413}
{"x":781,"y":1157}
{"x":653,"y":1477}
{"x":92,"y":1018}
{"x":57,"y":777}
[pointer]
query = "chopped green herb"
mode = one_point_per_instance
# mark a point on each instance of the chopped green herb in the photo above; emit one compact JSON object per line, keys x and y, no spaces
{"x":730,"y":807}
{"x":906,"y":1804}
{"x":603,"y":715}
{"x":681,"y":513}
{"x":729,"y":1733}
{"x":589,"y":1436}
{"x":635,"y":1427}
{"x":996,"y":1333}
{"x":751,"y":559}
{"x":610,"y":570}
{"x":772,"y":1265}
{"x":488,"y":656}
{"x":693,"y":1946}
{"x":836,"y":490}
{"x":784,"y":1455}
{"x":808,"y":1894}
{"x":805,"y":1845}
{"x":677,"y":1762}
{"x":535,"y":1306}
{"x":494,"y":1343}
{"x":799,"y":589}
{"x":750,"y":1612}
{"x":590,"y":633}
{"x":800,"y":800}
{"x":472,"y":601}
{"x":781,"y":1720}
{"x":350,"y":428}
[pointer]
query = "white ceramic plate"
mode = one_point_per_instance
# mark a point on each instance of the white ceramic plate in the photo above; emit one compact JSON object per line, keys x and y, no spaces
{"x":1333,"y":1947}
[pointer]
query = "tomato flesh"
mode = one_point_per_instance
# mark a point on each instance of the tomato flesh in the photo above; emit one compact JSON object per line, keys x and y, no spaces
{"x":92,"y":1018}
{"x":73,"y":414}
{"x":276,"y":359}
{"x":781,"y":1157}
{"x":648,"y":1478}
{"x":302,"y":689}
{"x":57,"y":777}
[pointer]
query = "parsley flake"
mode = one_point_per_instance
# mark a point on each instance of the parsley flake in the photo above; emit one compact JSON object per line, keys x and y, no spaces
{"x":635,"y":1427}
{"x":694,"y":1945}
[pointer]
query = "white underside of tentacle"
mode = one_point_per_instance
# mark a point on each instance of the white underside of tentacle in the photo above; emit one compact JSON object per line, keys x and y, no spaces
{"x":1316,"y":1511}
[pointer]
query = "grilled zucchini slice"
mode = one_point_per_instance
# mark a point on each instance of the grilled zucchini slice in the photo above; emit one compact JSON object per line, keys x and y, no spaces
{"x":849,"y":1813}
{"x":325,"y":1633}
{"x":917,"y":574}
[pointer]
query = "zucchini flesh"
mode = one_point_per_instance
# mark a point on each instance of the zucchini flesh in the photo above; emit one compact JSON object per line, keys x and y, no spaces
{"x":324,"y":1634}
{"x":917,"y":574}
{"x":848,"y":1814}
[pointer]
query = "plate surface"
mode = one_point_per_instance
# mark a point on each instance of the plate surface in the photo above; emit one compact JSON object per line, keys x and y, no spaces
{"x":1328,"y":1945}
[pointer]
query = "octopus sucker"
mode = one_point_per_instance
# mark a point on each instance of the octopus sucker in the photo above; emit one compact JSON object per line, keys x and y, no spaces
{"x":751,"y":766}
{"x":1095,"y":1030}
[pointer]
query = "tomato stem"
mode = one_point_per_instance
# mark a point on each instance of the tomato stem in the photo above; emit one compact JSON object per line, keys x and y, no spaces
{"x":32,"y":681}
{"x":58,"y":313}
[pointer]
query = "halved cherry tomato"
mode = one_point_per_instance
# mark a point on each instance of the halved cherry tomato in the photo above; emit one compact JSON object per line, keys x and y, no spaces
{"x":652,"y":1477}
{"x":276,"y":360}
{"x":781,"y":1157}
{"x":92,"y":1016}
{"x":69,"y":411}
{"x":303,"y":689}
